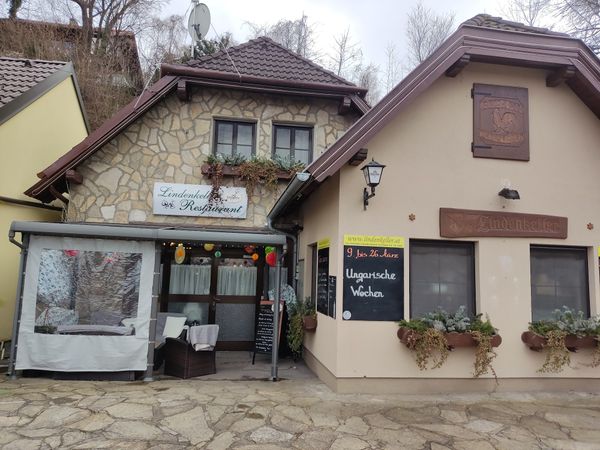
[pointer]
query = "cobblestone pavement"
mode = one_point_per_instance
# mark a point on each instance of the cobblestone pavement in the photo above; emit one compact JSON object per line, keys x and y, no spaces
{"x":262,"y":415}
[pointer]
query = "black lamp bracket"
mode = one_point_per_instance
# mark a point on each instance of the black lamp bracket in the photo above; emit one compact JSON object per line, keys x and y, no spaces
{"x":367,"y":196}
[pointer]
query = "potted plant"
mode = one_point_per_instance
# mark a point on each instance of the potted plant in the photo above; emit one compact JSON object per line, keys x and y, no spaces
{"x":302,"y":317}
{"x":433,"y":336}
{"x":568,"y":331}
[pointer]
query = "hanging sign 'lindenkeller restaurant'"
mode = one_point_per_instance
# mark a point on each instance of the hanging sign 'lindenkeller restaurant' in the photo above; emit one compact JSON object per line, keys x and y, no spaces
{"x":172,"y":199}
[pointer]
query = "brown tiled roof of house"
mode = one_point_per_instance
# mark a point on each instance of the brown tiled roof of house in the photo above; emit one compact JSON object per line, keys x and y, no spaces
{"x":17,"y":76}
{"x":488,"y":21}
{"x":263,"y":57}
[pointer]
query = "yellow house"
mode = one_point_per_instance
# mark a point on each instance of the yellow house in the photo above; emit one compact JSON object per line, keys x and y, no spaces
{"x":41,"y":114}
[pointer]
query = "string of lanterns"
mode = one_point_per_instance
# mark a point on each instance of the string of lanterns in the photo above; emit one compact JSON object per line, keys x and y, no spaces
{"x":270,"y":254}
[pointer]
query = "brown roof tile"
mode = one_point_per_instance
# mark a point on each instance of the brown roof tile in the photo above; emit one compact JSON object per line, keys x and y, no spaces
{"x":17,"y":76}
{"x":488,"y":21}
{"x":263,"y":57}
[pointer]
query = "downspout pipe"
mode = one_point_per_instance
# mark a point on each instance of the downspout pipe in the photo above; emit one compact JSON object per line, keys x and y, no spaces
{"x":293,"y":188}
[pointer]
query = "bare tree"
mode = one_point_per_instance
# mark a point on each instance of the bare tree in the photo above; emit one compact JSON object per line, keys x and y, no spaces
{"x":392,"y":67}
{"x":296,"y":35}
{"x":346,"y":55}
{"x":367,"y":76}
{"x":583,"y":20}
{"x":163,"y":40}
{"x":529,"y":12}
{"x":13,"y":8}
{"x":210,"y":46}
{"x":425,"y":31}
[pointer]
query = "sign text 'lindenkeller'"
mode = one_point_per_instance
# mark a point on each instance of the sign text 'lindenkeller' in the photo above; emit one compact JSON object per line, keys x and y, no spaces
{"x":172,"y":199}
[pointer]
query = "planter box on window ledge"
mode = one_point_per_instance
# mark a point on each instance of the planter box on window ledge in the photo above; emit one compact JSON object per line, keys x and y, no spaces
{"x":455,"y":340}
{"x":573,"y":342}
{"x":234,"y":171}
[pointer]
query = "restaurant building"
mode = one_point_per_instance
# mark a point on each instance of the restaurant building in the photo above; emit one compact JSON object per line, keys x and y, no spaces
{"x":143,"y":232}
{"x":489,"y":200}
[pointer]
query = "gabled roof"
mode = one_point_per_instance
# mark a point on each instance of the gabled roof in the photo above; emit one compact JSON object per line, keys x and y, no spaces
{"x":22,"y":81}
{"x":480,"y":39}
{"x":263,"y":57}
{"x":315,"y":82}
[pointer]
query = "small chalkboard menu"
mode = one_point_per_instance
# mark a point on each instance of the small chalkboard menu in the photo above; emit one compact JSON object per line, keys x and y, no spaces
{"x":331,"y":293}
{"x":263,"y":342}
{"x":323,"y":290}
{"x":373,"y":278}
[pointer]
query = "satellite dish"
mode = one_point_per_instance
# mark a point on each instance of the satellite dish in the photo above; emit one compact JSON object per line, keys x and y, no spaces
{"x":199,"y":21}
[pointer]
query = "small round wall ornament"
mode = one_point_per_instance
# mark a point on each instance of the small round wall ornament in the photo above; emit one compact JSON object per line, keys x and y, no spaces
{"x":346,"y":315}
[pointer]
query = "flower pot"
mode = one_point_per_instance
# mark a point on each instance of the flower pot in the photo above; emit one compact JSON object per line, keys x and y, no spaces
{"x":309,"y":323}
{"x":573,"y":342}
{"x":408,"y":336}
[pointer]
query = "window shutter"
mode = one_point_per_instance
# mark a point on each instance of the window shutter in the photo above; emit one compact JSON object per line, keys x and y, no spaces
{"x":500,"y":122}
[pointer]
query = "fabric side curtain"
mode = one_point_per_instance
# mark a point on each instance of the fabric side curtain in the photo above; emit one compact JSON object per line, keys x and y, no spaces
{"x":236,"y":280}
{"x":190,"y":279}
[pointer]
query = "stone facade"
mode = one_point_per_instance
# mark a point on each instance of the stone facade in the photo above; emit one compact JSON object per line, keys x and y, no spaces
{"x":172,"y":141}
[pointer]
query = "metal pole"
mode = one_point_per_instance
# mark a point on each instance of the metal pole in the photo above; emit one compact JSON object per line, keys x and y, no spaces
{"x":18,"y":307}
{"x":275,"y":346}
{"x":156,"y":282}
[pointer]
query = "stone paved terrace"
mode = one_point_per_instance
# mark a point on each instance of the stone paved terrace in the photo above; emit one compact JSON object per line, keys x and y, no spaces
{"x":301,"y":413}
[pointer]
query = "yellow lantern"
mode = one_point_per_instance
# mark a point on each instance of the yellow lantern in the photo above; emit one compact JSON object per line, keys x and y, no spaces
{"x":209,"y":247}
{"x":179,"y":254}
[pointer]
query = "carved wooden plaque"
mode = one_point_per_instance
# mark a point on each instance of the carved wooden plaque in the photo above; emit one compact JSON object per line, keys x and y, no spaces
{"x":456,"y":223}
{"x":500,"y":122}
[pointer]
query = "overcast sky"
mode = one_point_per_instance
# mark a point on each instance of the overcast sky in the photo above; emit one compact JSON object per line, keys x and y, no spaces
{"x":372,"y":23}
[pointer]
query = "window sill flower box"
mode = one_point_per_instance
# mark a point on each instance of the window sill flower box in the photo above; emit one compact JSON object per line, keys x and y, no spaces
{"x":234,"y":171}
{"x":454,"y":339}
{"x":573,"y":342}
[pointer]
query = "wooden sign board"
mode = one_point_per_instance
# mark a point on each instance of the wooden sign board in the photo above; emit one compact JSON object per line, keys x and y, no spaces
{"x":373,"y":278}
{"x":456,"y":223}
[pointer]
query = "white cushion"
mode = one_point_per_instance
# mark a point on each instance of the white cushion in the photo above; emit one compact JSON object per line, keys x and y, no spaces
{"x":174,"y":326}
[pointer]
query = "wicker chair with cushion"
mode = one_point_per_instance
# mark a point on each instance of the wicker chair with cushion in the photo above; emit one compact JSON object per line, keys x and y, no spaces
{"x":166,"y":328}
{"x":183,"y":361}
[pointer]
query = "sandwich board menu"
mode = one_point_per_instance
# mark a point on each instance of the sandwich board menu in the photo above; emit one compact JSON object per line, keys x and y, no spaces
{"x":263,"y":342}
{"x":373,"y":278}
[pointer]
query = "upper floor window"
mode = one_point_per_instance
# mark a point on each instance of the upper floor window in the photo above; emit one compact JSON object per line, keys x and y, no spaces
{"x":442,"y":276}
{"x":234,"y":139}
{"x":559,"y":277}
{"x":292,"y":143}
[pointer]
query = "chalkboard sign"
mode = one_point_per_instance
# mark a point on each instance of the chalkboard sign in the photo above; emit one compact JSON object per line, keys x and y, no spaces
{"x":331,"y":294}
{"x":323,"y":280}
{"x":263,"y":342}
{"x":373,"y":278}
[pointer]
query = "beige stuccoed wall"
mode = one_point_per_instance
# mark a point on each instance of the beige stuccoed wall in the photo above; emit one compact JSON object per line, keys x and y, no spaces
{"x":322,"y":223}
{"x":171,"y":142}
{"x":429,"y":165}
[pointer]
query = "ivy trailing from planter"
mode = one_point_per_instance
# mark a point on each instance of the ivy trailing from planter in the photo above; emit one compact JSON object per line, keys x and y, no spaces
{"x":434,"y":335}
{"x":568,"y":331}
{"x":253,"y":172}
{"x":298,"y":312}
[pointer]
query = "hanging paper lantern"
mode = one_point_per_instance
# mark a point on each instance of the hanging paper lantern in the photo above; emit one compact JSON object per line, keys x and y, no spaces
{"x":254,"y":256}
{"x":271,"y":259}
{"x":179,"y":253}
{"x":249,"y":249}
{"x":217,"y":254}
{"x":209,"y":247}
{"x":269,"y":250}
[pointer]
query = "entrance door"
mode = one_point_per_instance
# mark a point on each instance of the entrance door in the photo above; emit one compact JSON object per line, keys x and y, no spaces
{"x":208,"y":289}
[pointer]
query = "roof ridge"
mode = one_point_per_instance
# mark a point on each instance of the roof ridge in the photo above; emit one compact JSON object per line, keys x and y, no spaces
{"x":518,"y":27}
{"x":48,"y":61}
{"x":306,"y":60}
{"x":222,"y":52}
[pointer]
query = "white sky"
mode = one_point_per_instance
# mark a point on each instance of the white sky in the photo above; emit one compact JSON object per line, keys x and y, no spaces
{"x":372,"y":23}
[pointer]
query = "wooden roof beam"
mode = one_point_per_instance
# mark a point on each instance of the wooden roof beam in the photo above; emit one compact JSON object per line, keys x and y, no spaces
{"x":560,"y":75}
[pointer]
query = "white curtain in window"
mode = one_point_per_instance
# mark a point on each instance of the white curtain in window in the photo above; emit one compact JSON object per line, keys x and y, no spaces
{"x":190,"y":279}
{"x":236,"y":280}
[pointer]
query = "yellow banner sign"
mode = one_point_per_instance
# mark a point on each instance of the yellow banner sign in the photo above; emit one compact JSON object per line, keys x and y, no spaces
{"x":323,"y":243}
{"x":374,"y":241}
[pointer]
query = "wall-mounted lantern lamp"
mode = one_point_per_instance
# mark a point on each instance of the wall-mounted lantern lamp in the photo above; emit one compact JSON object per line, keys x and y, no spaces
{"x":372,"y":172}
{"x":510,"y":194}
